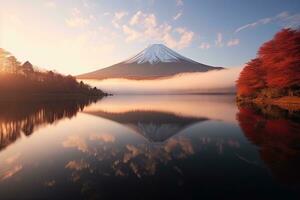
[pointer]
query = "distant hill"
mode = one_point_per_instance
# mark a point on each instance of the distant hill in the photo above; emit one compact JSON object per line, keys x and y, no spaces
{"x":23,"y":80}
{"x":155,"y":61}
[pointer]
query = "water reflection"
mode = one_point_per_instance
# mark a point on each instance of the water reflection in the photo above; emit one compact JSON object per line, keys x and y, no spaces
{"x":149,"y":147}
{"x":277,"y":134}
{"x":17,"y":118}
{"x":153,"y":125}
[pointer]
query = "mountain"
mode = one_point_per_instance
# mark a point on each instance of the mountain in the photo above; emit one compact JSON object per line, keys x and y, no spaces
{"x":155,"y":61}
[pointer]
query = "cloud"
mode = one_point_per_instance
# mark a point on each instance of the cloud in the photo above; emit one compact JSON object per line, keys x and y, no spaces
{"x":77,"y":20}
{"x":179,"y":2}
{"x":179,"y":84}
{"x":254,"y":24}
{"x":50,"y":4}
{"x":165,"y":34}
{"x":177,"y":16}
{"x":233,"y":42}
{"x":132,"y":35}
{"x":118,"y":16}
{"x":219,"y":40}
{"x":186,"y":38}
{"x":285,"y":19}
{"x":86,"y":4}
{"x":289,"y":21}
{"x":136,"y":18}
{"x":144,"y":27}
{"x":140,"y":18}
{"x":204,"y":45}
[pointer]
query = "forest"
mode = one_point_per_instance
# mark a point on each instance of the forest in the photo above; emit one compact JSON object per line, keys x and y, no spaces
{"x":275,"y":72}
{"x":25,"y":79}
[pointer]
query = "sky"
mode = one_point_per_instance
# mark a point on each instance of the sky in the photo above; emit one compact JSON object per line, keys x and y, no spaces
{"x":78,"y":36}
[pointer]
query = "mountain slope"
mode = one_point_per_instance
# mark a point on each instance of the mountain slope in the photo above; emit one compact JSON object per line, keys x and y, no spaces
{"x":155,"y":61}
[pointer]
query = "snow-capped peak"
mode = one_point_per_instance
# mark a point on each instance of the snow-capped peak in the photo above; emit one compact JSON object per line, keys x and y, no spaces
{"x":156,"y":53}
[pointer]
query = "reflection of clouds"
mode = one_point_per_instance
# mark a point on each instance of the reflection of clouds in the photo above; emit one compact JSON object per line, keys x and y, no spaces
{"x":183,"y":143}
{"x":141,"y":159}
{"x":77,"y":142}
{"x":12,"y":159}
{"x":131,"y":153}
{"x":105,"y":137}
{"x":50,"y":183}
{"x":11,"y":168}
{"x":10,"y":172}
{"x":77,"y":165}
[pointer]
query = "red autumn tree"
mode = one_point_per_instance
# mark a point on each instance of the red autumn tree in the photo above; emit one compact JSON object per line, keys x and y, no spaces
{"x":251,"y":78}
{"x":281,"y":59}
{"x":277,"y":66}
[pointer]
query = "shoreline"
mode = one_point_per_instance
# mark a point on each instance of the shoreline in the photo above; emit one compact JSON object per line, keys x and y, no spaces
{"x":291,"y":103}
{"x":48,"y":97}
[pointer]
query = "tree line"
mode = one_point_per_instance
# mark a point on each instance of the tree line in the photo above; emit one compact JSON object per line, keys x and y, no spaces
{"x":17,"y":78}
{"x":275,"y":72}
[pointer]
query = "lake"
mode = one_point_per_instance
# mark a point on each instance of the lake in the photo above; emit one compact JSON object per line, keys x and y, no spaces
{"x":148,"y":147}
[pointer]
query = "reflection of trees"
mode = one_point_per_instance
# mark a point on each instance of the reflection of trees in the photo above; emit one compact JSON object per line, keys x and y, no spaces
{"x":277,"y":133}
{"x":17,"y":118}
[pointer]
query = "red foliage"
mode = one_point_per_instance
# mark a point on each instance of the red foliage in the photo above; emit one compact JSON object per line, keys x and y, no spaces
{"x":277,"y":65}
{"x":251,"y":78}
{"x":281,"y":59}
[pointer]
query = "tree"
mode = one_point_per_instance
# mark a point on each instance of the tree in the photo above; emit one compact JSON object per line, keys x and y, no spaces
{"x":3,"y":60}
{"x":27,"y":68}
{"x":281,"y":59}
{"x":14,"y":64}
{"x":276,"y":69}
{"x":251,"y":79}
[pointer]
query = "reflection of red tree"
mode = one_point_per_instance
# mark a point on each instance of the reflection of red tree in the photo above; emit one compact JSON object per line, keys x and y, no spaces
{"x":278,"y":140}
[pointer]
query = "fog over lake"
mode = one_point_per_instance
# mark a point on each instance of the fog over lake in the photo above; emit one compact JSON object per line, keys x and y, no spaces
{"x":218,"y":81}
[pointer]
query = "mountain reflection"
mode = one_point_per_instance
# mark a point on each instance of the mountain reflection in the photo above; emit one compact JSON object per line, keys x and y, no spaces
{"x":153,"y":125}
{"x":277,"y":134}
{"x":17,"y":118}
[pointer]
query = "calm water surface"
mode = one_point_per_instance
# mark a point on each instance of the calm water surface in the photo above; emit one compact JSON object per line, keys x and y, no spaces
{"x":148,"y":147}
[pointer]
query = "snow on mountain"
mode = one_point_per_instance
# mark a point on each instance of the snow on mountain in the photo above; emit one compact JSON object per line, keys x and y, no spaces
{"x":155,"y":61}
{"x":157,"y":53}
